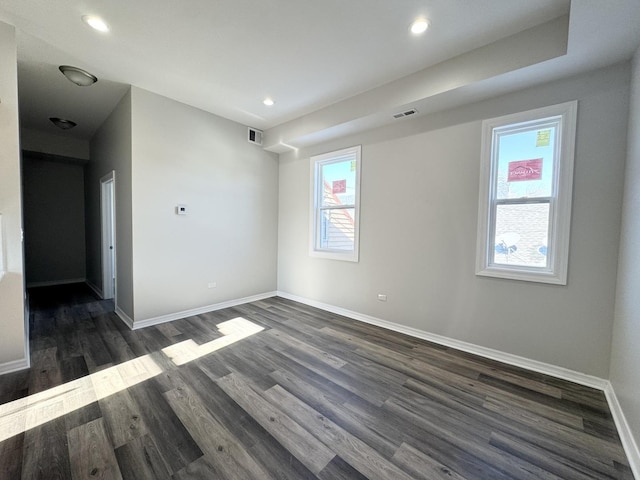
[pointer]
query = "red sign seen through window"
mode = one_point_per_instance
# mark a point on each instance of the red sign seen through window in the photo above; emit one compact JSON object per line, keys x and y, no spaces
{"x":339,"y":186}
{"x":522,"y":170}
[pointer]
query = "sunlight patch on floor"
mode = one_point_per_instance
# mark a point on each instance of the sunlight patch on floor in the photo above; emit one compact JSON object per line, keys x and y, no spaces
{"x":37,"y":409}
{"x":233,"y":330}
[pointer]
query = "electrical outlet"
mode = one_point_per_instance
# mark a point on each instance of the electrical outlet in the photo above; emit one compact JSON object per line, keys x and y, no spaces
{"x":212,"y":285}
{"x":382,"y":298}
{"x":181,"y":209}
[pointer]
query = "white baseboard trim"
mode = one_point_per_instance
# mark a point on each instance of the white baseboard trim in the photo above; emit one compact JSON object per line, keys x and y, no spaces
{"x":95,"y":288}
{"x":56,"y":282}
{"x":124,"y":317}
{"x":14,"y":366}
{"x":508,"y":358}
{"x":134,"y":325}
{"x":624,"y":430}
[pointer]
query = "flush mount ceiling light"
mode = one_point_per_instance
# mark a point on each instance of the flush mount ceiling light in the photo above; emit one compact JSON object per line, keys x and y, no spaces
{"x":62,"y":123}
{"x":268,"y":102}
{"x":78,"y":76}
{"x":96,"y":23}
{"x":420,"y":26}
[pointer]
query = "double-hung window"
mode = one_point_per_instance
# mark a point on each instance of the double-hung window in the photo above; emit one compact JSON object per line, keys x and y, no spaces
{"x":335,"y":204}
{"x":525,"y":195}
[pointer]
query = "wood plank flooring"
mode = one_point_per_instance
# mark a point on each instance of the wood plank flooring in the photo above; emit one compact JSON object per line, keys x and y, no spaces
{"x":279,"y":390}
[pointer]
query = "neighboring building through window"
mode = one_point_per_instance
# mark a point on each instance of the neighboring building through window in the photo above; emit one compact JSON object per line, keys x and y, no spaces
{"x":335,"y":204}
{"x":525,"y":195}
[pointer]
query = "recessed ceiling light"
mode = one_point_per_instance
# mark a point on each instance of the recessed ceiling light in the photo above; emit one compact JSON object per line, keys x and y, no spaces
{"x":268,"y":102}
{"x":95,"y":22}
{"x":78,"y":76}
{"x":62,"y":123}
{"x":419,"y":26}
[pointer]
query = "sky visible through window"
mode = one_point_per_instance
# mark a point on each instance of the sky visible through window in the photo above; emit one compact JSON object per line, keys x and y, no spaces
{"x":515,"y":148}
{"x":341,"y":180}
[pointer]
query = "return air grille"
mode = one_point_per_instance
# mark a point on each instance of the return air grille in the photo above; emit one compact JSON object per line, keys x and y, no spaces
{"x":254,"y":136}
{"x":406,"y":113}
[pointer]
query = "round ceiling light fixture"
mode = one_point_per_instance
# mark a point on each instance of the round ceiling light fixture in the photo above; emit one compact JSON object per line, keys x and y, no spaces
{"x":96,"y":23}
{"x":420,"y":26}
{"x":62,"y":123}
{"x":268,"y":102}
{"x":78,"y":76}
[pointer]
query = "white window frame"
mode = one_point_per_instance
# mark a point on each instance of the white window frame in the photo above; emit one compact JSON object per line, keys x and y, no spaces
{"x":559,"y":202}
{"x":317,"y":162}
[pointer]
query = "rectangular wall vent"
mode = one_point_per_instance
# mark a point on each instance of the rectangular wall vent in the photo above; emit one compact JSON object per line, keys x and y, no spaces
{"x":254,"y":136}
{"x":406,"y":113}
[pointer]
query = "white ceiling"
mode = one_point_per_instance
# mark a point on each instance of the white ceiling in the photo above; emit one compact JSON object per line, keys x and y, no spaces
{"x":226,"y":56}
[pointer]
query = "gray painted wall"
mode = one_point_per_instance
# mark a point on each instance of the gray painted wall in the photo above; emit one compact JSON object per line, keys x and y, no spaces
{"x":111,"y":151}
{"x":44,"y":142}
{"x":13,"y":352}
{"x":53,"y":204}
{"x":182,"y":155}
{"x":419,"y":201}
{"x":166,"y":153}
{"x":625,"y":355}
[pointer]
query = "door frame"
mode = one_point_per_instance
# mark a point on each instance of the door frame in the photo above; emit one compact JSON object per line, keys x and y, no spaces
{"x":108,"y":235}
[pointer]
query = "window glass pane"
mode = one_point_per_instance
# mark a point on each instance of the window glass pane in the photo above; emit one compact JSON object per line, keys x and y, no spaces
{"x":522,"y":235}
{"x":337,"y":229}
{"x":338,"y":183}
{"x":525,"y":162}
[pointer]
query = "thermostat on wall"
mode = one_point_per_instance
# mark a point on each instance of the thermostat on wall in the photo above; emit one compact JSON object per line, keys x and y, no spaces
{"x":181,"y":209}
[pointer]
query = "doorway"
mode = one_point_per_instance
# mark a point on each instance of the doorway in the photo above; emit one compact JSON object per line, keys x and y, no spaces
{"x":107,"y":214}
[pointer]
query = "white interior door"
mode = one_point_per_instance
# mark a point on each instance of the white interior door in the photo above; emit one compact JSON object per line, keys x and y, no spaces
{"x":107,"y":202}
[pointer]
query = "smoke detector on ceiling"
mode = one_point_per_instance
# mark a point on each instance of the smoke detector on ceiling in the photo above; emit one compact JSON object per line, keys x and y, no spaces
{"x":406,"y":113}
{"x":254,"y":136}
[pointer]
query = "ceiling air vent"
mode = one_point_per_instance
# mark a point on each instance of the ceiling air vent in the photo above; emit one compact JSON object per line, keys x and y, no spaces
{"x":254,"y":136}
{"x":406,"y":113}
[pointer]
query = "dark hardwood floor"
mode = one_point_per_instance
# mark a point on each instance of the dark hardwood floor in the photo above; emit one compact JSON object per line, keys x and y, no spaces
{"x":276,"y":389}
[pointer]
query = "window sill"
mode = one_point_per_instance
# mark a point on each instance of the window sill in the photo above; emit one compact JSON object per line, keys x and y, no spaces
{"x":523,"y":275}
{"x":345,"y":257}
